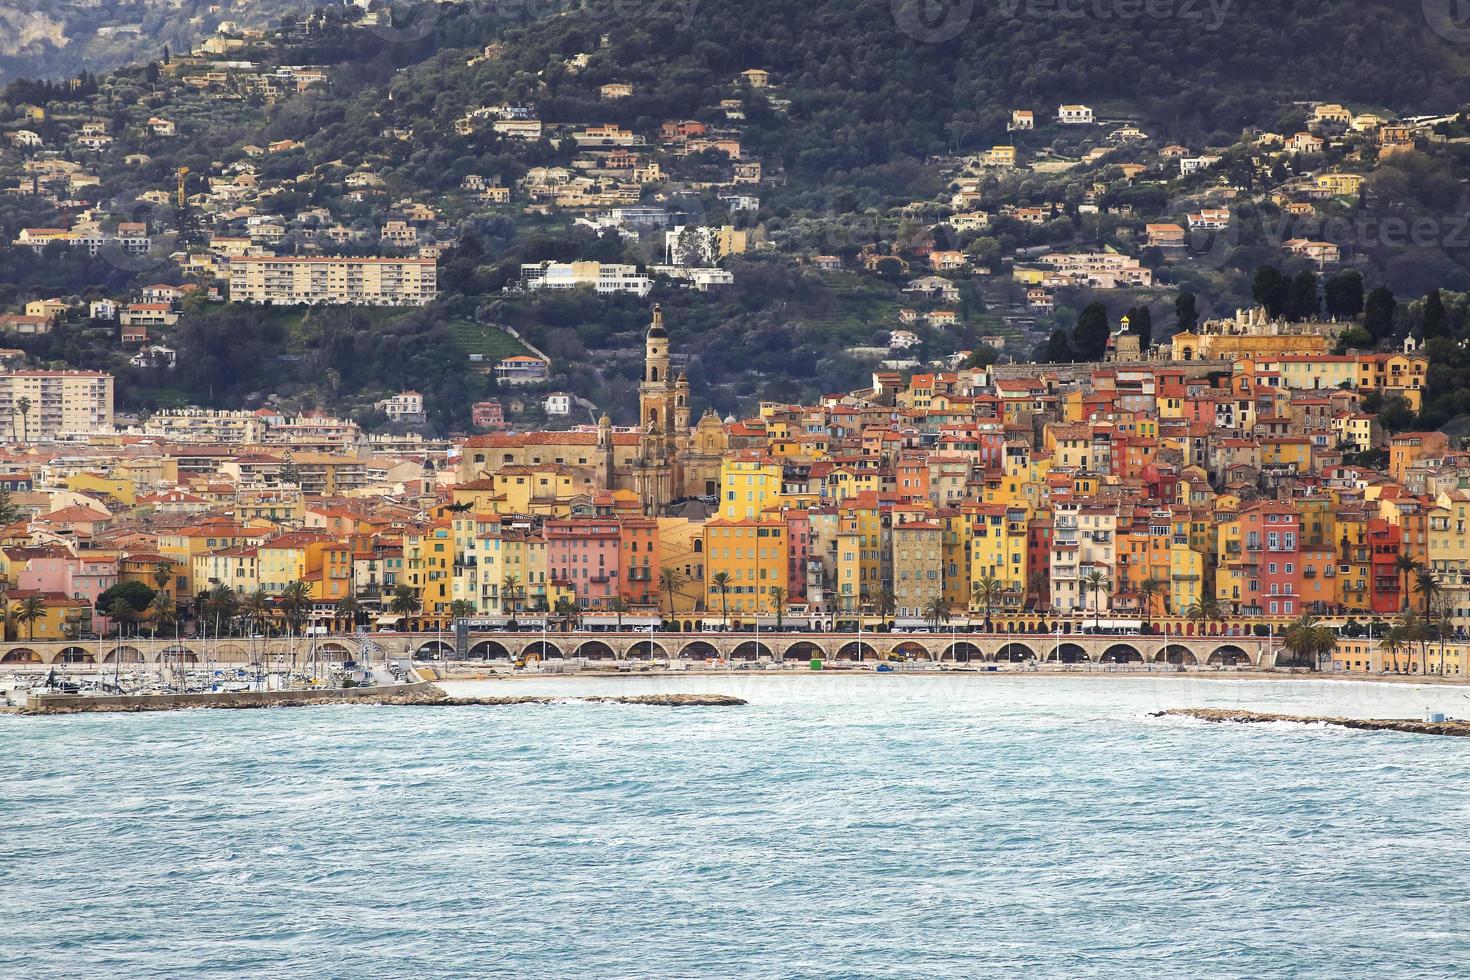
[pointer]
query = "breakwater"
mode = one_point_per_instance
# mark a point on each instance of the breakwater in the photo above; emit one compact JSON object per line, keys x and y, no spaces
{"x":1451,"y":728}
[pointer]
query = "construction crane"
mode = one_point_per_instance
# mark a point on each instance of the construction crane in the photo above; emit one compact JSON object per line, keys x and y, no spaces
{"x":183,"y":174}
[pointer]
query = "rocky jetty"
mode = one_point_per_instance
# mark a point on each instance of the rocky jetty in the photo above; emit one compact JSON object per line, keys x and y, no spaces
{"x":1460,"y":729}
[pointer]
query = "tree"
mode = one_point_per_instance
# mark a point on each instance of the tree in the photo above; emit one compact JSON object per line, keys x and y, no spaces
{"x":1378,"y":314}
{"x":1427,"y":584}
{"x":1096,"y":583}
{"x":23,"y":406}
{"x":135,"y":595}
{"x":163,"y":612}
{"x":1057,"y":350}
{"x":1090,"y":338}
{"x":670,"y":580}
{"x":405,"y":601}
{"x":27,"y":611}
{"x":1436,"y":320}
{"x":1204,"y":610}
{"x":348,"y":609}
{"x":720,"y":582}
{"x":1343,"y":295}
{"x":1141,"y":322}
{"x":1271,"y":290}
{"x":886,"y":603}
{"x":120,"y":612}
{"x":219,"y":606}
{"x":461,"y":609}
{"x":510,"y":588}
{"x":256,"y":607}
{"x":778,"y":598}
{"x":289,"y":472}
{"x":163,"y":574}
{"x":618,"y":606}
{"x":936,"y":611}
{"x":1149,"y":590}
{"x":1308,"y":642}
{"x":1393,"y":642}
{"x":9,"y":513}
{"x":1186,"y":312}
{"x":987,"y":592}
{"x":296,"y":603}
{"x":567,"y":610}
{"x":1415,"y":630}
{"x":1406,"y":565}
{"x":1303,"y":303}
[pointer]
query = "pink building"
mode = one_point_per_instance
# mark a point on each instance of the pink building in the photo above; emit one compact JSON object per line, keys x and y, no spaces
{"x":76,"y":577}
{"x":798,"y":551}
{"x":585,"y":553}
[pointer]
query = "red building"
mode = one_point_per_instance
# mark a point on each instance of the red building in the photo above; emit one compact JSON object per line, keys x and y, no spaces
{"x":586,"y":554}
{"x":1385,"y":543}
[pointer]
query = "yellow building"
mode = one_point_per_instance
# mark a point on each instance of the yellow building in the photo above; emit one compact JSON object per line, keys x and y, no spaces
{"x":428,"y":569}
{"x":120,"y":488}
{"x":750,"y":482}
{"x":753,"y":557}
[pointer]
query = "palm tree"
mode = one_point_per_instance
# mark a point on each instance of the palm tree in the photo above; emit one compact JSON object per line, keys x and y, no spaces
{"x":1308,"y":641}
{"x":348,"y":609}
{"x":1418,"y":631}
{"x":461,"y":609}
{"x":886,"y":604}
{"x":121,"y":611}
{"x":163,"y":611}
{"x":1149,"y":590}
{"x":23,"y":406}
{"x":1444,"y":611}
{"x":296,"y":603}
{"x":32,"y":608}
{"x":777,"y":599}
{"x":618,"y":606}
{"x":1392,"y":642}
{"x":1094,"y":582}
{"x":219,"y":605}
{"x":720,"y":582}
{"x":567,"y":610}
{"x":1406,"y":565}
{"x":670,"y":580}
{"x":936,"y":611}
{"x":987,"y":592}
{"x":256,"y":607}
{"x":1427,"y":585}
{"x":1203,"y":610}
{"x":405,"y":601}
{"x":163,"y":574}
{"x":510,"y":586}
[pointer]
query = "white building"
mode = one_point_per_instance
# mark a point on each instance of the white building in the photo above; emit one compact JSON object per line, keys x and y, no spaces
{"x":558,"y":403}
{"x":604,"y":277}
{"x":405,"y":404}
{"x":55,"y":402}
{"x":1074,"y":115}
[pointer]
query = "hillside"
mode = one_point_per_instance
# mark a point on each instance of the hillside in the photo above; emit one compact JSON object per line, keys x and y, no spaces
{"x":55,"y":40}
{"x":864,"y":149}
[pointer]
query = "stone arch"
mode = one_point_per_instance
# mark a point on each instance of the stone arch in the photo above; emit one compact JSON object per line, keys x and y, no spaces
{"x":647,"y":650}
{"x":1067,"y":653}
{"x":74,"y":655}
{"x":699,"y":650}
{"x":962,"y":652}
{"x":594,"y":650}
{"x":433,"y":650}
{"x":803,"y":650}
{"x":1229,"y":655}
{"x":912,"y":650}
{"x":543,"y":650}
{"x":1014,"y":653}
{"x":178,"y":654}
{"x":1121,"y":653}
{"x":489,"y":650}
{"x":856,"y":650}
{"x":231,"y":653}
{"x":125,"y":654}
{"x":21,"y":655}
{"x":338,"y":650}
{"x":1176,"y":653}
{"x":751,"y":650}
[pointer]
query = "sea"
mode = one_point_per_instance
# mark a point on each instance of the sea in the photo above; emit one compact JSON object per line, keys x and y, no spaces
{"x":835,"y":826}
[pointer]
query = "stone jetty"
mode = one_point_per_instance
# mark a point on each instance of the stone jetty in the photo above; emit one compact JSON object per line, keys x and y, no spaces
{"x":1451,"y":728}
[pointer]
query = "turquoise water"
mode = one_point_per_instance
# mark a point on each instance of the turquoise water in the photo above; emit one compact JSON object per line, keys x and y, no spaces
{"x":875,"y":826}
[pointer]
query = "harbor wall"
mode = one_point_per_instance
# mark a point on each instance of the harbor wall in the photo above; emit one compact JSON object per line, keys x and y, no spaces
{"x":44,"y":704}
